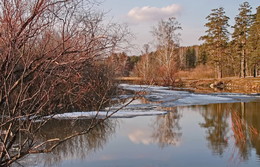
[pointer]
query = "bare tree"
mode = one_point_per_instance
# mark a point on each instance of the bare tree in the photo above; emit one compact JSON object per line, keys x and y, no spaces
{"x":167,"y":47}
{"x":161,"y":65}
{"x":143,"y":68}
{"x":49,"y":54}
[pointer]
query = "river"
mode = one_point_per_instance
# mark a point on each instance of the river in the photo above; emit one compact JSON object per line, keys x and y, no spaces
{"x":162,"y":127}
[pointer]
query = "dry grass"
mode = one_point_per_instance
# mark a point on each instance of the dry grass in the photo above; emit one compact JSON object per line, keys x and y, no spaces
{"x":199,"y":72}
{"x":129,"y":78}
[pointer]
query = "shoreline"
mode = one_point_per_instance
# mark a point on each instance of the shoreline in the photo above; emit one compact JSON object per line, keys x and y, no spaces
{"x":248,"y":85}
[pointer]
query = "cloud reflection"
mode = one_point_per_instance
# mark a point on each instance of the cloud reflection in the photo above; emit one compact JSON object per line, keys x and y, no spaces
{"x":140,"y":136}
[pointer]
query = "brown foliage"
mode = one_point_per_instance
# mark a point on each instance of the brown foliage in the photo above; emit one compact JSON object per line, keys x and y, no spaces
{"x":49,"y":62}
{"x":199,"y":72}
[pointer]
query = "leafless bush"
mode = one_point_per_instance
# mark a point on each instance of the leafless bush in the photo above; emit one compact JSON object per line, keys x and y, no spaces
{"x":49,"y":54}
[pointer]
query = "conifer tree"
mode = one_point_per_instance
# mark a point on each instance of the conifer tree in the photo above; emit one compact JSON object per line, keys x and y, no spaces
{"x":190,"y":58}
{"x":243,"y":21}
{"x":216,"y":38}
{"x":254,"y":42}
{"x":203,"y":55}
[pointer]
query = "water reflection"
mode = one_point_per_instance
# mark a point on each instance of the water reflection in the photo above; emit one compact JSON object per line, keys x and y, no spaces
{"x":140,"y":136}
{"x":78,"y":147}
{"x":238,"y":122}
{"x":216,"y":125}
{"x":166,"y":128}
{"x":229,"y":131}
{"x":246,"y":127}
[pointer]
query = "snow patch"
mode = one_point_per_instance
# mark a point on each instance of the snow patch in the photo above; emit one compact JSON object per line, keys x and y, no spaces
{"x":170,"y":98}
{"x":104,"y":114}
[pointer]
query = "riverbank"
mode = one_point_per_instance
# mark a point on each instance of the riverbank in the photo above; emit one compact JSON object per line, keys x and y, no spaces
{"x":230,"y":84}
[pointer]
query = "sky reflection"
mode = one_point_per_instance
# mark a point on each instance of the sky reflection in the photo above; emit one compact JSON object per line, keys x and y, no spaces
{"x":209,"y":135}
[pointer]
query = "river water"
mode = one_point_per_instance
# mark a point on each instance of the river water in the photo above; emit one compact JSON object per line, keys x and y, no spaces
{"x":161,"y":128}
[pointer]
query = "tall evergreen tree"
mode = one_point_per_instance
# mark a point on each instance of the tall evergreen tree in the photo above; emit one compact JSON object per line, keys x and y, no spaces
{"x":243,"y":21}
{"x":190,"y":58}
{"x":254,"y":42}
{"x":203,"y":55}
{"x":216,"y":38}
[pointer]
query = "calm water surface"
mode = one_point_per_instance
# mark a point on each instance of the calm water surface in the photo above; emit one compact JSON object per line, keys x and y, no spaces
{"x":221,"y":134}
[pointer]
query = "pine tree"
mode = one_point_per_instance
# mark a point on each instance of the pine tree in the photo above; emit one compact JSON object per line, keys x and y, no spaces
{"x":216,"y":38}
{"x":243,"y":21}
{"x":254,"y":42}
{"x":203,"y":55}
{"x":190,"y":58}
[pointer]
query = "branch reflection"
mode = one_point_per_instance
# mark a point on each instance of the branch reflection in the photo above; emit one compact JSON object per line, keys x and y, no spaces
{"x":167,"y":129}
{"x":236,"y":125}
{"x":216,"y":124}
{"x":76,"y":148}
{"x":246,"y":127}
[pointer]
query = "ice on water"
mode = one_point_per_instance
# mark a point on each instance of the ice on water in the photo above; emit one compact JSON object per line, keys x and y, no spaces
{"x":154,"y":100}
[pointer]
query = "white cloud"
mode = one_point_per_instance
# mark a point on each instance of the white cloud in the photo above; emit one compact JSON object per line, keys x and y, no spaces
{"x":148,"y":13}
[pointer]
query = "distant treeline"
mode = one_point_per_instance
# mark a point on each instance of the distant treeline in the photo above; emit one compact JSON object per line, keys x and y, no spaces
{"x":223,"y":54}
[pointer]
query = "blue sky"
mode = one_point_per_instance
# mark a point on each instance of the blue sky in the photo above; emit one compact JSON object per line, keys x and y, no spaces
{"x":141,"y":15}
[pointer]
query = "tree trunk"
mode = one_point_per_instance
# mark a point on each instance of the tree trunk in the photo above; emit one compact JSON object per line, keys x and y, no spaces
{"x":218,"y":70}
{"x":255,"y":70}
{"x":243,"y":65}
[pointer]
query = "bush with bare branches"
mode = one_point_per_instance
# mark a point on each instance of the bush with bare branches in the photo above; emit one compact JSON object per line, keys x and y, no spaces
{"x":50,"y":53}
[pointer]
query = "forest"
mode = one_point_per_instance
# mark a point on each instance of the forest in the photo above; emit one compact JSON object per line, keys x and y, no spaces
{"x":227,"y":50}
{"x":59,"y":56}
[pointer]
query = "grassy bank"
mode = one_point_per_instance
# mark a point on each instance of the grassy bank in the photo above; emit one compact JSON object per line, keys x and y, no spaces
{"x":229,"y":84}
